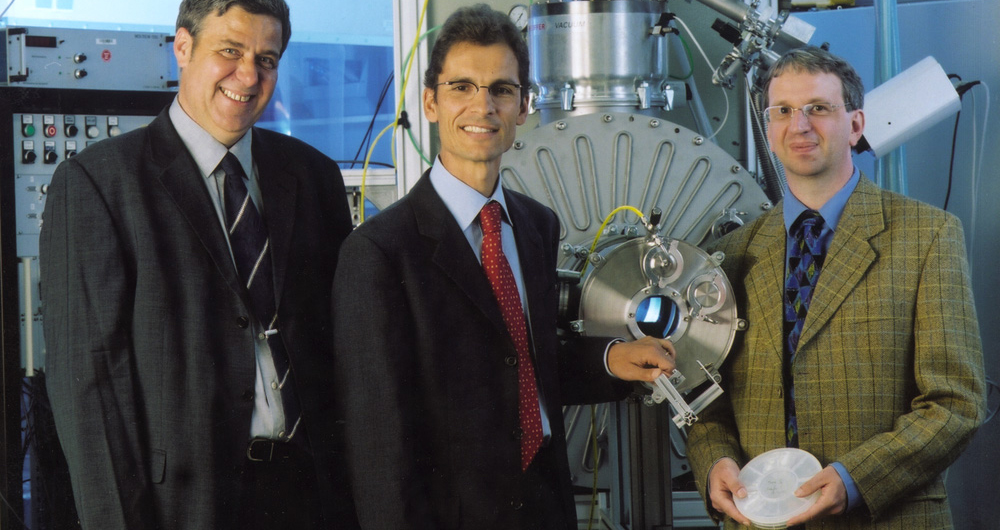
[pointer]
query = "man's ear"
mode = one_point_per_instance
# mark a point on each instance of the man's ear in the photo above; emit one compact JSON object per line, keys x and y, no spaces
{"x":857,"y":126}
{"x":522,"y":116}
{"x":183,"y":44}
{"x":430,"y":105}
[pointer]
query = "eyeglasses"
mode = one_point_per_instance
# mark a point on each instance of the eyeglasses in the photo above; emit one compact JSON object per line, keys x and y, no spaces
{"x":466,"y":90}
{"x":781,"y":113}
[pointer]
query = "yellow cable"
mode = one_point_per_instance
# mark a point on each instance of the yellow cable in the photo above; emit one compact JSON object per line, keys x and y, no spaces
{"x":593,"y":409}
{"x":601,"y":230}
{"x":395,"y":121}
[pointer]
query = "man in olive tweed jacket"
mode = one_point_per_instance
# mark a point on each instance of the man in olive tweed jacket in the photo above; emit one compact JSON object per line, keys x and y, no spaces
{"x":888,"y":374}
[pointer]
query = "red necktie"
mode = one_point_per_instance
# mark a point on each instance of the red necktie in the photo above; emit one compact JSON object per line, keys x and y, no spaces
{"x":505,"y":290}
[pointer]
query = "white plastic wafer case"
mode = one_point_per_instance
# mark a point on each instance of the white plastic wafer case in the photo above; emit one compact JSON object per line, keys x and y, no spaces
{"x":771,"y":480}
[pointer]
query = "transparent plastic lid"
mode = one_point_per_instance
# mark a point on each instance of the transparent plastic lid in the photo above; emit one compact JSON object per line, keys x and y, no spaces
{"x":771,"y":480}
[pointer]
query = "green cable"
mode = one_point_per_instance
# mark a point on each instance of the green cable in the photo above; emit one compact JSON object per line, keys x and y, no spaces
{"x":690,"y":58}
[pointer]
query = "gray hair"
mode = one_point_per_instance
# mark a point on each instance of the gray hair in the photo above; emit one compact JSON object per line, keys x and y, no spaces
{"x":193,"y":12}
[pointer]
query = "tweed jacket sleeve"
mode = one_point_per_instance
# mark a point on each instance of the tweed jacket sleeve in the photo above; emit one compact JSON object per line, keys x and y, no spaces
{"x":915,"y":393}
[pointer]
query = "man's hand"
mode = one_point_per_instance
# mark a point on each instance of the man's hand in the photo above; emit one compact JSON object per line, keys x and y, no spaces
{"x":723,"y":486}
{"x":642,"y":360}
{"x":832,"y":497}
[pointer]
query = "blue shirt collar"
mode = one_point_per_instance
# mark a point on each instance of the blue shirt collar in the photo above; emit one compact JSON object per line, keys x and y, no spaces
{"x":462,"y":200}
{"x":831,"y":211}
{"x":205,"y":149}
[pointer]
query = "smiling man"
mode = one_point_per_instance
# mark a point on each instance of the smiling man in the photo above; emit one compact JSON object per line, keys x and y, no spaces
{"x":187,"y":270}
{"x":451,"y":375}
{"x":863,"y":347}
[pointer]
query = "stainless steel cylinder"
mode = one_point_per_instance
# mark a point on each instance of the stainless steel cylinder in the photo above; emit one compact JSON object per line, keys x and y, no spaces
{"x":594,"y":56}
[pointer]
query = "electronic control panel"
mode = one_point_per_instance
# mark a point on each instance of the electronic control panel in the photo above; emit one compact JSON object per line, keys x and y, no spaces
{"x":86,"y":59}
{"x":41,"y":142}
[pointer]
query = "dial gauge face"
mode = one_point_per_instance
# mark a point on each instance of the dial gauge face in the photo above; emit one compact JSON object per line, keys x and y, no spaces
{"x":519,"y":15}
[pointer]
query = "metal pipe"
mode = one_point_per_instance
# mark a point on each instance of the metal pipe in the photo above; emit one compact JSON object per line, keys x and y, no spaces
{"x":29,"y":320}
{"x":732,"y":9}
{"x":890,"y":170}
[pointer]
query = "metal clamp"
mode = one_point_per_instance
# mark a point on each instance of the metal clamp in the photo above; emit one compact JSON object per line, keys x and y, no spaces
{"x":664,"y":388}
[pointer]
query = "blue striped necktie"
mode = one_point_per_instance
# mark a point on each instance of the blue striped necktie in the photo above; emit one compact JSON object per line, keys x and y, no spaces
{"x":252,"y":253}
{"x":804,"y":265}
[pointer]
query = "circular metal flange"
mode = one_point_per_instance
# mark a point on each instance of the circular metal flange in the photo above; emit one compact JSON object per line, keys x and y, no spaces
{"x":615,"y":295}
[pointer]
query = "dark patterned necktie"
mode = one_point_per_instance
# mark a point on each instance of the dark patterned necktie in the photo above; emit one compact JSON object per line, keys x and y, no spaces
{"x":804,"y":265}
{"x":251,"y":251}
{"x":505,"y":290}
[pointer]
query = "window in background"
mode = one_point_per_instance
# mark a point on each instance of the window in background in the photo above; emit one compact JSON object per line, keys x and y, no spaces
{"x":335,"y":88}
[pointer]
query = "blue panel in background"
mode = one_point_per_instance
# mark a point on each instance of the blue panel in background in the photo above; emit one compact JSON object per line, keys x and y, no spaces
{"x":327,"y":95}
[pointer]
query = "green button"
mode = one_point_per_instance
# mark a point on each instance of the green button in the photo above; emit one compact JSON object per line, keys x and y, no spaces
{"x":29,"y":130}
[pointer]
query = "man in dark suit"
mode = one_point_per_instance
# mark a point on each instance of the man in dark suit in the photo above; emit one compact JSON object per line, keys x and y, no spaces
{"x":875,"y":367}
{"x":451,"y":379}
{"x":189,"y":390}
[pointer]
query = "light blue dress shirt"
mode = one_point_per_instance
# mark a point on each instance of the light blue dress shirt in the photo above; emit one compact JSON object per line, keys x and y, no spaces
{"x":268,"y":419}
{"x":831,"y":212}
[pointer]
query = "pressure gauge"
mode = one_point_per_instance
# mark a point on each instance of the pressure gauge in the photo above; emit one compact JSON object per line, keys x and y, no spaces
{"x":519,"y":15}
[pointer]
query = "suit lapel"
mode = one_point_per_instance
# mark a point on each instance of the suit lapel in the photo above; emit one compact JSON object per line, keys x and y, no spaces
{"x":765,"y":278}
{"x":278,"y":185}
{"x":849,"y":258}
{"x":451,"y":251}
{"x":530,"y":253}
{"x":179,"y":175}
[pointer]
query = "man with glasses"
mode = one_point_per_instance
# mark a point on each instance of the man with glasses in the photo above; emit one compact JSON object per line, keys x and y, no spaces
{"x":863,"y":346}
{"x":452,"y":376}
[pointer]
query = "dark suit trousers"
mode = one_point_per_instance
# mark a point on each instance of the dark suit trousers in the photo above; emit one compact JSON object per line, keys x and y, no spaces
{"x":281,"y":494}
{"x":544,"y":501}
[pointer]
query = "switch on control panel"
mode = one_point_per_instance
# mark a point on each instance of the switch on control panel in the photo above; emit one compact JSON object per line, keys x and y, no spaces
{"x":113,"y":128}
{"x":28,"y":152}
{"x":27,"y":125}
{"x":50,"y":156}
{"x":49,"y":126}
{"x":69,"y":126}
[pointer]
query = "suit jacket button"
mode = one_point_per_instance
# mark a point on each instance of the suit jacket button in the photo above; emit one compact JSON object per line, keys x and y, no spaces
{"x":510,"y":360}
{"x":247,"y":394}
{"x":517,"y":433}
{"x":517,"y":505}
{"x":243,"y":322}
